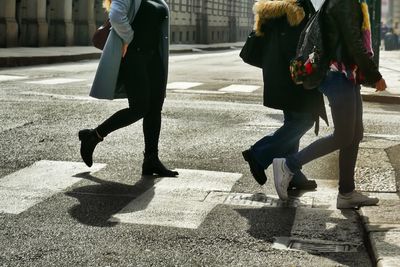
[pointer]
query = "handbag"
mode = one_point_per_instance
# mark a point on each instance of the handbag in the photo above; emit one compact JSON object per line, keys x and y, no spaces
{"x":251,"y":52}
{"x":100,"y":36}
{"x":311,"y":63}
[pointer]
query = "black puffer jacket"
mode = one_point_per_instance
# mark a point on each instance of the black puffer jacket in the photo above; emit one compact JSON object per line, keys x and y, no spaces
{"x":281,"y":22}
{"x":343,"y":38}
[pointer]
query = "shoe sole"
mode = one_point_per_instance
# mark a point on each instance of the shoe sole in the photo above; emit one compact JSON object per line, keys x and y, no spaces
{"x":307,"y":186}
{"x":353,"y":206}
{"x":277,"y":164}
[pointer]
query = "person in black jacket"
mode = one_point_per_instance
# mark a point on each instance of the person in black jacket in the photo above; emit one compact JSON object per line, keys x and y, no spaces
{"x":280,"y":22}
{"x":143,"y":72}
{"x":346,"y":34}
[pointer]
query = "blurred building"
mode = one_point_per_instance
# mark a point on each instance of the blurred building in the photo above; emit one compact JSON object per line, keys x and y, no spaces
{"x":73,"y":22}
{"x":390,"y":12}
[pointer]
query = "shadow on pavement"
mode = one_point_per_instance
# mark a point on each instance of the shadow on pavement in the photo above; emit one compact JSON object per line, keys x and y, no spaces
{"x":99,"y":202}
{"x":311,"y":225}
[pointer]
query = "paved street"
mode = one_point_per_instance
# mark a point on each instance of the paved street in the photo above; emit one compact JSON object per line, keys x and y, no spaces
{"x":54,"y":211}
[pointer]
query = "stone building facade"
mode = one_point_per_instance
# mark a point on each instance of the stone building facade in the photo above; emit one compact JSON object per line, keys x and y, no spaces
{"x":394,"y":9}
{"x":73,"y":22}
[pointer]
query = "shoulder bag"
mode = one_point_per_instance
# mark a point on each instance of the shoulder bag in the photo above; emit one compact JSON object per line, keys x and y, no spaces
{"x":100,"y":36}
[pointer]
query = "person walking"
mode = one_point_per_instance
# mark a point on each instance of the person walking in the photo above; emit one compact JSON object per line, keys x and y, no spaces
{"x":347,"y":38}
{"x":133,"y":65}
{"x":280,"y":23}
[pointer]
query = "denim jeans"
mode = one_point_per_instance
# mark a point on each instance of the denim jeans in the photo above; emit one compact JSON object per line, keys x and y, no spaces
{"x":284,"y":141}
{"x":346,"y":108}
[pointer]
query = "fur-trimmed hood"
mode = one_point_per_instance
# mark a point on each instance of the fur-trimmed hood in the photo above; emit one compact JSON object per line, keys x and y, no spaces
{"x":271,"y":9}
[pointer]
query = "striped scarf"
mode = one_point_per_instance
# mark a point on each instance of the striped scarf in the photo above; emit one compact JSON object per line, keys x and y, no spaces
{"x":352,"y":72}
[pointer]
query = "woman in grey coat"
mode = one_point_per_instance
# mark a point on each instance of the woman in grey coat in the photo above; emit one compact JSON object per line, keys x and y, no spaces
{"x":134,"y":65}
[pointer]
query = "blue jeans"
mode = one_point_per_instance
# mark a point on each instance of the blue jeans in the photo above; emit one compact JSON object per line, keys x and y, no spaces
{"x":284,"y":141}
{"x":346,"y":108}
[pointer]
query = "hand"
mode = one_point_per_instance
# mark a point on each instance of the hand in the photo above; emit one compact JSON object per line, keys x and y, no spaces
{"x":124,"y":49}
{"x":380,"y":85}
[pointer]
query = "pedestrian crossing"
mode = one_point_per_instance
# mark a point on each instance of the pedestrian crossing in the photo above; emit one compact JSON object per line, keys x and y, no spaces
{"x":56,"y":81}
{"x":190,"y":87}
{"x":29,"y":186}
{"x":5,"y":78}
{"x":182,"y":202}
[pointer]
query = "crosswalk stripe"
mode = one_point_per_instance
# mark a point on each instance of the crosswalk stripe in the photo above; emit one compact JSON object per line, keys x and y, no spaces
{"x":56,"y":81}
{"x":178,"y":202}
{"x":4,"y":78}
{"x":182,"y":85}
{"x":25,"y":188}
{"x":63,"y":97}
{"x":239,"y":88}
{"x":199,"y":92}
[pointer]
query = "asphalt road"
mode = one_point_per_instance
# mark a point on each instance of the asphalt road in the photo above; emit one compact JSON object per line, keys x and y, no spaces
{"x":205,"y":128}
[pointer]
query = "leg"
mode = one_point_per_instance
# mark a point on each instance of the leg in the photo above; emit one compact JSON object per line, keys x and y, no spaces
{"x":284,"y":140}
{"x":138,"y":92}
{"x":278,"y":144}
{"x":152,"y":123}
{"x":342,"y":100}
{"x":348,"y":155}
{"x":136,"y":82}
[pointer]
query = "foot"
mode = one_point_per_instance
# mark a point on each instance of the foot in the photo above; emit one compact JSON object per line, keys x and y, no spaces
{"x":256,"y":170}
{"x":354,"y":200}
{"x":89,"y":139}
{"x":282,"y":177}
{"x":153,"y":165}
{"x":302,"y":185}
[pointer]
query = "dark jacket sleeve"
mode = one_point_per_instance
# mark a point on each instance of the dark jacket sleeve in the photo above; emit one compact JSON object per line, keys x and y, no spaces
{"x":348,"y":15}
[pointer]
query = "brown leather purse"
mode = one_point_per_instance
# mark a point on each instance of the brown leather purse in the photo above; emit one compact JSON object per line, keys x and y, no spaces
{"x":100,"y":36}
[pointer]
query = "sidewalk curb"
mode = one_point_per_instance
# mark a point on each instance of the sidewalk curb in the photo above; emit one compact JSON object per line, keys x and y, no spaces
{"x":380,"y":98}
{"x":382,"y":232}
{"x":9,"y":62}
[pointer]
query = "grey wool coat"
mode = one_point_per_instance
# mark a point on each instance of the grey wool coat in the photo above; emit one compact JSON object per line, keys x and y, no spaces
{"x":122,"y":13}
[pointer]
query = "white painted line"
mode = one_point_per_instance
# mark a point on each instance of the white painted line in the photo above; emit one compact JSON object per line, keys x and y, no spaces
{"x":178,"y":202}
{"x":58,"y":96}
{"x":25,"y":188}
{"x":238,"y":88}
{"x":57,"y":81}
{"x":394,"y":137}
{"x":85,"y":66}
{"x":199,"y":92}
{"x":4,"y":78}
{"x":182,"y":85}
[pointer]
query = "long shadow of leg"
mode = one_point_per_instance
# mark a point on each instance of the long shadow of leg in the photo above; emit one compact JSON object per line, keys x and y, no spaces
{"x":97,"y":203}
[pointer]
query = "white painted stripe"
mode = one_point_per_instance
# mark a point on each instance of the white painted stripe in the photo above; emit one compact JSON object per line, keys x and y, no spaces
{"x":57,"y":81}
{"x":178,"y":202}
{"x":31,"y":185}
{"x":238,"y":88}
{"x":85,"y":66}
{"x":4,"y":78}
{"x":383,"y":136}
{"x":182,"y":85}
{"x":58,"y":96}
{"x":205,"y":92}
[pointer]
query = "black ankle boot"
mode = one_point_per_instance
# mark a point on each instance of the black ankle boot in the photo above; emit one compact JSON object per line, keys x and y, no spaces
{"x":152,"y":165}
{"x":89,"y":140}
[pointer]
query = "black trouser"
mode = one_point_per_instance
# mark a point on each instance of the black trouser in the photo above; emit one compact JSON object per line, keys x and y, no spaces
{"x":142,"y":75}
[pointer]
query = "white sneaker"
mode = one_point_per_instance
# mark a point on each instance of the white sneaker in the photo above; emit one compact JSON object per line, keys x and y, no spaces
{"x":355,"y":200}
{"x":282,"y":177}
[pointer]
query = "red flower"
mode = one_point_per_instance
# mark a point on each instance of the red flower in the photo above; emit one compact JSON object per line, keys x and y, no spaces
{"x":309,"y":68}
